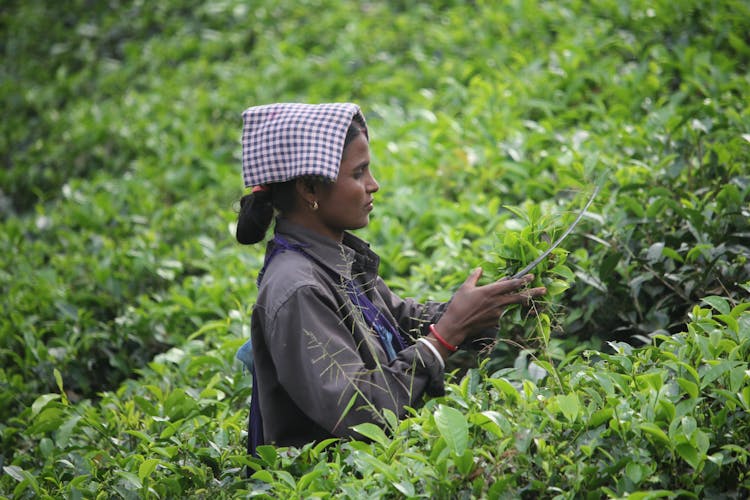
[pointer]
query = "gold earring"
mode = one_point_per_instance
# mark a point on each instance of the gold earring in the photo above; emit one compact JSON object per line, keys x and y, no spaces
{"x":314,"y":205}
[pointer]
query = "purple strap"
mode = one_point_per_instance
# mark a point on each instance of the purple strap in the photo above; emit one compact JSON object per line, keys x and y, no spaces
{"x":388,"y":335}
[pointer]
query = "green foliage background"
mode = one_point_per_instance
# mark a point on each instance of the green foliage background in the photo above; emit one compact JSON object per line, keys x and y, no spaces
{"x":124,"y":296}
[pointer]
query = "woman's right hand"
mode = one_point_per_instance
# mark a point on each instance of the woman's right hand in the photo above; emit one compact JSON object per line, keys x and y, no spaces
{"x":475,"y":308}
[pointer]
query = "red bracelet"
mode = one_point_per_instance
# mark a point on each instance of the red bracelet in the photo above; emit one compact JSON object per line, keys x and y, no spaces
{"x":451,"y":348}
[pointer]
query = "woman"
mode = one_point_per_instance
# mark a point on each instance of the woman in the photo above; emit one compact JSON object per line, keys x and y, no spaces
{"x":332,"y":346}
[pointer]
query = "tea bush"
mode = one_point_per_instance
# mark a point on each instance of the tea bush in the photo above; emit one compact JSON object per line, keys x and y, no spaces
{"x":124,"y":296}
{"x":661,"y":420}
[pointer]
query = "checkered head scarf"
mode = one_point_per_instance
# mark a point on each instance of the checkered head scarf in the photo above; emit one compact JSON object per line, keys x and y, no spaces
{"x":284,"y":141}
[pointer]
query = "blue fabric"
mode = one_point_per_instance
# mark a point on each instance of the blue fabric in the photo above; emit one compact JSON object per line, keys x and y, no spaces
{"x":245,"y":354}
{"x":388,"y":335}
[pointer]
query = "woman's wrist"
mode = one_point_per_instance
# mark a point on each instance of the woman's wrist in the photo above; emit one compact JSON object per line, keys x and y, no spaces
{"x":443,"y":344}
{"x":441,"y":340}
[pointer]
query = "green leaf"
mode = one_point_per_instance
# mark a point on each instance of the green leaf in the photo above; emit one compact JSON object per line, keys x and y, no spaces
{"x":601,"y":416}
{"x":287,"y":478}
{"x":716,"y":370}
{"x":702,"y":441}
{"x":305,"y":481}
{"x":58,"y":380}
{"x":689,"y":454}
{"x":322,"y":445}
{"x":697,"y":251}
{"x":692,"y":371}
{"x":140,"y":435}
{"x":46,"y":447}
{"x":569,"y":406}
{"x":634,"y":472}
{"x":372,"y":432}
{"x":689,"y":425}
{"x":634,"y":206}
{"x":505,"y":388}
{"x":167,"y":452}
{"x":655,"y":252}
{"x":739,"y":309}
{"x":556,"y":287}
{"x":652,"y":380}
{"x":147,"y":468}
{"x":465,"y":462}
{"x":263,"y":475}
{"x":729,"y":320}
{"x":651,"y":494}
{"x":453,"y":427}
{"x":689,"y":387}
{"x":737,"y":377}
{"x":665,"y":409}
{"x":390,"y":418}
{"x":41,"y":402}
{"x":66,"y":429}
{"x":486,"y":424}
{"x":132,"y":482}
{"x":744,"y":396}
{"x":15,"y":472}
{"x":656,"y":433}
{"x":672,"y":254}
{"x":718,"y":303}
{"x":146,"y":406}
{"x":405,"y":488}
{"x":491,"y":421}
{"x":268,"y":454}
{"x":24,"y":479}
{"x":48,"y":420}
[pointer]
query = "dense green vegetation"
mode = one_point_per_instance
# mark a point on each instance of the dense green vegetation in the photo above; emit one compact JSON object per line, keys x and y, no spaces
{"x":124,"y":296}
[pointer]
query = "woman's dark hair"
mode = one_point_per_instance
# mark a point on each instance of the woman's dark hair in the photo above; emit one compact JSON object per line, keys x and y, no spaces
{"x":257,"y":209}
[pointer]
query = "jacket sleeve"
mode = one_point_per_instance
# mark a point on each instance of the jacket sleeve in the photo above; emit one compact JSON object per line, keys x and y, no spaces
{"x":337,"y":376}
{"x":412,"y":317}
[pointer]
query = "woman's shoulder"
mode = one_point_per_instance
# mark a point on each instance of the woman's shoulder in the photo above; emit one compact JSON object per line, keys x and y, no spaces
{"x":289,"y":267}
{"x":287,"y":273}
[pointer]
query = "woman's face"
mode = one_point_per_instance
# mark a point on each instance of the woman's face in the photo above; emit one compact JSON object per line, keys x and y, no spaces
{"x":346,"y":204}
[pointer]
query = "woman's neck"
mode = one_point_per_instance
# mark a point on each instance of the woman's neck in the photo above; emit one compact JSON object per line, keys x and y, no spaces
{"x":313,"y":223}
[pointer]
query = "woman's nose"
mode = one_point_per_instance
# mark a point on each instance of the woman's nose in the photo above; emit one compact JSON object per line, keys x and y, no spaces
{"x":372,"y":185}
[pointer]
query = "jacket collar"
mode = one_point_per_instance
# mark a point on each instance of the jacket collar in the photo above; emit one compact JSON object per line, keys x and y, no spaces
{"x":351,"y":258}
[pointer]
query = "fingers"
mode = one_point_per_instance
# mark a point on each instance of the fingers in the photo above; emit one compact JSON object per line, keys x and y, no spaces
{"x":504,"y":291}
{"x":525,"y":297}
{"x":507,"y":285}
{"x":535,"y":292}
{"x":473,"y":278}
{"x":501,"y":286}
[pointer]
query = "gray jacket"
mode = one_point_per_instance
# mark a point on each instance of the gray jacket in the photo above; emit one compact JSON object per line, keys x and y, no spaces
{"x":320,"y":369}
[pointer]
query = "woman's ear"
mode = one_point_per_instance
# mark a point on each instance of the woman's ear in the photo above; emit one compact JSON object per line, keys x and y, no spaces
{"x":305,"y":189}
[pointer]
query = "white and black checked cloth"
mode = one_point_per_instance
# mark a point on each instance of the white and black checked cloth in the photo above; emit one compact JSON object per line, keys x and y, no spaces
{"x":284,"y":141}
